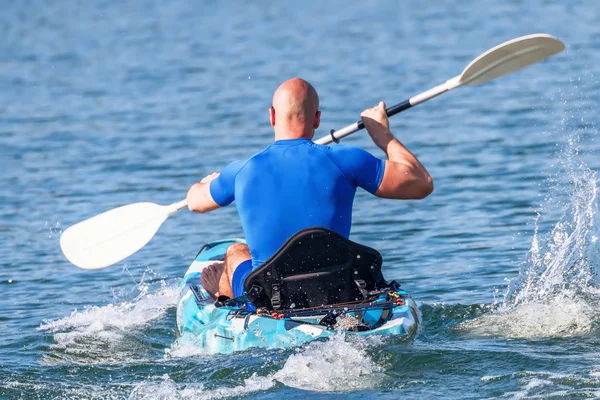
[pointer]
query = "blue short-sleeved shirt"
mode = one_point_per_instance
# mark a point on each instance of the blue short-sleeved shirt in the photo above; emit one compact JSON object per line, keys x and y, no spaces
{"x":292,"y":185}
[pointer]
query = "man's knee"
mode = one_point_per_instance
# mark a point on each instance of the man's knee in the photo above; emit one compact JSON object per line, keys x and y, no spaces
{"x":236,"y":254}
{"x":238,"y":250}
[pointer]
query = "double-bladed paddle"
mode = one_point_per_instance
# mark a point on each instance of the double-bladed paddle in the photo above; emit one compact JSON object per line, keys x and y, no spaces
{"x":110,"y":237}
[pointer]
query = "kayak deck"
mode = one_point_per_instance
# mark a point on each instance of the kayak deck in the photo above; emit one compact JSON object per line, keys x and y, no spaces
{"x":231,"y":328}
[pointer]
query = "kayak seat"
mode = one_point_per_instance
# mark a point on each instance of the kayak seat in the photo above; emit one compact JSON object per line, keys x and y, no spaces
{"x":316,"y":267}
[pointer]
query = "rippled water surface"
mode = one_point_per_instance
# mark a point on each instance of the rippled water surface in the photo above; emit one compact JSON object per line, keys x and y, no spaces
{"x":105,"y":103}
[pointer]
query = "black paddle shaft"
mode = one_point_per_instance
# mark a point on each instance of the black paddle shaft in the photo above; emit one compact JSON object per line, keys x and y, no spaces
{"x":393,"y":110}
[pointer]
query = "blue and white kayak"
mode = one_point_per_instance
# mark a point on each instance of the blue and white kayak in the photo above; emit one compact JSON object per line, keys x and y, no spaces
{"x":230,"y":328}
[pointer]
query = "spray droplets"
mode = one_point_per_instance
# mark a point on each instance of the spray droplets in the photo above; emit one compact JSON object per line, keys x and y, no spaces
{"x":556,"y":292}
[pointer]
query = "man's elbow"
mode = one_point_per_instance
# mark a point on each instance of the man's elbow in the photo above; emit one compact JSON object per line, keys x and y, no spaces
{"x":425,"y":189}
{"x":418,"y":190}
{"x":413,"y":189}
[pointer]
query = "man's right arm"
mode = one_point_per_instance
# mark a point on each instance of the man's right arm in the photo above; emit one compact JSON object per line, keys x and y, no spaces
{"x":404,"y":176}
{"x":199,"y":198}
{"x":215,"y":190}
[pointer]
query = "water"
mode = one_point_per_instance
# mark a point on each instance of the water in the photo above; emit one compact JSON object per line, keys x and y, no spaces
{"x":107,"y":103}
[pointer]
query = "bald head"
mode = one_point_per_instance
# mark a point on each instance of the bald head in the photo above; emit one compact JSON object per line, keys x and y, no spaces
{"x":295,"y":112}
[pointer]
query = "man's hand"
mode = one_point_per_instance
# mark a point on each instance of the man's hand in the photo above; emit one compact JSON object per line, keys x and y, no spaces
{"x":404,"y":176}
{"x":378,"y":125}
{"x":199,"y":198}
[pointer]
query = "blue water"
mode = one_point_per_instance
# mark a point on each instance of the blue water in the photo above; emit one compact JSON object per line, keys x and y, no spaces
{"x":105,"y":103}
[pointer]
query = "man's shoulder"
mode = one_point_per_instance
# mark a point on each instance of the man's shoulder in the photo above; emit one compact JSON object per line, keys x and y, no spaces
{"x":342,"y":152}
{"x":235,"y":167}
{"x":256,"y":156}
{"x":337,"y":154}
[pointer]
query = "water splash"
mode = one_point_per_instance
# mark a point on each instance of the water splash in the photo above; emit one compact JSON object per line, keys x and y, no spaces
{"x":63,"y":390}
{"x":338,"y":364}
{"x":53,"y":228}
{"x":185,"y":346}
{"x":556,"y":292}
{"x":111,"y":332}
{"x":543,"y":385}
{"x":169,"y":390}
{"x":564,"y":261}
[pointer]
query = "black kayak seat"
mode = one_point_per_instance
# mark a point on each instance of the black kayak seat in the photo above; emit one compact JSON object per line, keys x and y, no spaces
{"x":315,"y":267}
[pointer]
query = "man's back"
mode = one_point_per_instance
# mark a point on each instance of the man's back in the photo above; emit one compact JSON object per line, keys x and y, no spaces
{"x":295,"y":184}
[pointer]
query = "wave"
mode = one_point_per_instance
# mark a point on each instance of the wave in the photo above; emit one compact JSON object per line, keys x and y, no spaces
{"x":114,"y":332}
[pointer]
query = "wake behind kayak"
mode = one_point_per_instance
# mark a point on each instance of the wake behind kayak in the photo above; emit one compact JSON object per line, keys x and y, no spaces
{"x":317,"y":284}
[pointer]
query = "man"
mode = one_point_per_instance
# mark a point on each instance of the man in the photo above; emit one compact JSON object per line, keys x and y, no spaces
{"x":295,"y":184}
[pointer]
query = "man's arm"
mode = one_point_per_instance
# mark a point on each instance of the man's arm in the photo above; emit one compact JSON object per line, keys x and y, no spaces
{"x":215,"y":190}
{"x":404,"y":176}
{"x":199,"y":198}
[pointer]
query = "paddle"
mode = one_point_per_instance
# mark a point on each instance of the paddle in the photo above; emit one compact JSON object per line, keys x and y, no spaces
{"x":501,"y":60}
{"x":110,"y":237}
{"x":114,"y":235}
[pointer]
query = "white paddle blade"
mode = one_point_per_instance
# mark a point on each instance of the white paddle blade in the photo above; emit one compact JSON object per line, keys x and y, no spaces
{"x":509,"y":57}
{"x":110,"y":237}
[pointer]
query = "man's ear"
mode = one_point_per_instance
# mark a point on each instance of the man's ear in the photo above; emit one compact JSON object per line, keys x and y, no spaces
{"x":272,"y":115}
{"x":317,"y":120}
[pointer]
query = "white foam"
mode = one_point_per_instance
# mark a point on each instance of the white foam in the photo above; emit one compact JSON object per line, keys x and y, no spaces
{"x":542,"y":385}
{"x":556,"y":292}
{"x":558,"y":317}
{"x":95,"y":328}
{"x":333,"y":365}
{"x":61,"y":391}
{"x":123,"y":316}
{"x":185,"y":346}
{"x":168,"y":389}
{"x":340,"y":363}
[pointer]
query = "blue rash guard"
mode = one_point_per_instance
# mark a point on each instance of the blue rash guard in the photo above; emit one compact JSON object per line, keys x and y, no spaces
{"x":292,"y":185}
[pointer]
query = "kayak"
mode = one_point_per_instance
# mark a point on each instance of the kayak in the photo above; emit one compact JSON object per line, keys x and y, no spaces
{"x":236,"y":325}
